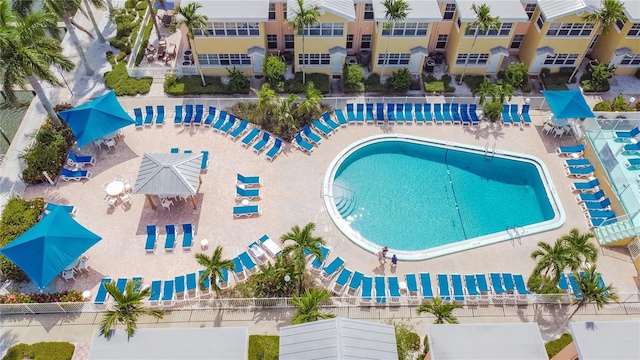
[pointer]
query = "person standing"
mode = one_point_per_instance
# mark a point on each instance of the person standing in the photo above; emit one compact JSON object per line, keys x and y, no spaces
{"x":394,"y":261}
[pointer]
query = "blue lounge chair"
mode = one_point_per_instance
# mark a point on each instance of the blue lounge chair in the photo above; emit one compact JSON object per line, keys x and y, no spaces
{"x":582,"y":172}
{"x":473,"y":114}
{"x":187,"y":236}
{"x":570,"y":150}
{"x":322,"y":128}
{"x":455,"y":114}
{"x":197,"y":119}
{"x":205,"y":289}
{"x":428,"y":115}
{"x":152,"y":235}
{"x":302,"y":144}
{"x":394,"y":290}
{"x":341,"y":118}
{"x":177,"y":118}
{"x":188,"y":115}
{"x":101,"y":296}
{"x":603,"y":214}
{"x":408,"y":113}
{"x":188,"y":151}
{"x":208,"y":121}
{"x":351,"y":115}
{"x":412,"y":284}
{"x":526,"y":118}
{"x":365,"y":296}
{"x":205,"y":160}
{"x":160,"y":117}
{"x":577,"y":162}
{"x":316,"y":264}
{"x":192,"y":284}
{"x":632,"y":164}
{"x":425,"y":285}
{"x":249,"y":194}
{"x":327,"y":119}
{"x":248,"y":181}
{"x":458,"y":289}
{"x":355,"y":283}
{"x":238,"y":270}
{"x":148,"y":117}
{"x":379,"y":113}
{"x":437,"y":112}
{"x":369,"y":114}
{"x":239,"y":130}
{"x":170,"y":241}
{"x":138,"y":281}
{"x":167,"y":293}
{"x":472,"y":287}
{"x":270,"y":246}
{"x":76,"y":160}
{"x":596,"y":196}
{"x":223,"y":281}
{"x":179,"y":286}
{"x":446,"y":113}
{"x":417,"y":113}
{"x":509,"y":285}
{"x":400,"y":113}
{"x":574,"y":286}
{"x":139,"y":120}
{"x":596,"y":205}
{"x":175,"y":150}
{"x":521,"y":286}
{"x":360,"y":113}
{"x":483,"y":286}
{"x":496,"y":284}
{"x":156,"y":291}
{"x":222,"y":118}
{"x":262,"y":143}
{"x":228,"y":125}
{"x":248,"y":263}
{"x":391,"y":113}
{"x":313,"y":137}
{"x":464,"y":115}
{"x":76,"y":175}
{"x":563,"y":283}
{"x":246,"y":211}
{"x":331,"y":269}
{"x":597,"y":222}
{"x":340,"y":284}
{"x":443,"y":287}
{"x":250,"y":137}
{"x":275,"y":150}
{"x":626,"y":136}
{"x":506,"y":117}
{"x":513,"y":113}
{"x":381,"y":290}
{"x":587,"y":186}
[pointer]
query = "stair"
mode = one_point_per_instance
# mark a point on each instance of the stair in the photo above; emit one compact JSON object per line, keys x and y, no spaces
{"x":344,"y":198}
{"x":616,"y":231}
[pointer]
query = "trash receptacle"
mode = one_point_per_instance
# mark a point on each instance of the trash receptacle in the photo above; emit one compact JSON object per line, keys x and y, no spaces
{"x":429,"y":65}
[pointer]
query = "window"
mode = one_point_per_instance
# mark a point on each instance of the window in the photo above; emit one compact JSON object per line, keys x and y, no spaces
{"x":634,"y":31}
{"x":593,"y":41}
{"x":224,"y":60}
{"x":540,"y":22}
{"x":407,"y":29}
{"x":325,"y":29}
{"x":349,"y":41}
{"x":561,"y":59}
{"x":472,"y":59}
{"x":459,"y":24}
{"x":505,"y":29}
{"x":632,"y":60}
{"x":284,"y":12}
{"x":530,"y":9}
{"x":449,"y":10}
{"x":365,"y":42}
{"x":272,"y":41}
{"x":368,"y":11}
{"x":272,"y":11}
{"x":619,"y":24}
{"x":442,"y":41}
{"x":314,"y":59}
{"x":288,"y":41}
{"x":570,"y":29}
{"x":231,"y":29}
{"x":517,"y":41}
{"x":394,"y":59}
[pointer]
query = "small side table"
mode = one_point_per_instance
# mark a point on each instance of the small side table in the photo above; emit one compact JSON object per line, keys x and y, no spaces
{"x":245,"y":202}
{"x":204,"y":243}
{"x":403,"y":287}
{"x":86,"y":294}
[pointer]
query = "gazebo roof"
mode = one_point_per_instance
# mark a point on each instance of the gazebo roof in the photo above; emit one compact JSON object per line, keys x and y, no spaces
{"x":168,"y":174}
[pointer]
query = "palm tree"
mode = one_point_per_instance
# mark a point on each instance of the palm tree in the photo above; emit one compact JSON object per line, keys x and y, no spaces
{"x":190,"y":19}
{"x":441,"y":310}
{"x":312,"y":99}
{"x":302,"y":19}
{"x":152,"y":12}
{"x":581,"y":249}
{"x":98,"y":4}
{"x":213,"y":268}
{"x":28,"y":54}
{"x":307,"y":306}
{"x":395,"y":11}
{"x":271,"y":280}
{"x":551,"y":259}
{"x":610,"y":13}
{"x":483,"y":23}
{"x":486,"y":90}
{"x":129,"y":308}
{"x":301,"y":240}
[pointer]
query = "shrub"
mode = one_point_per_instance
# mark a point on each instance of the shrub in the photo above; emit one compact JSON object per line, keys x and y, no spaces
{"x":373,"y":84}
{"x":400,"y":80}
{"x":353,"y":75}
{"x":238,"y":83}
{"x":264,"y":347}
{"x":473,"y":81}
{"x":145,"y":42}
{"x":597,"y":78}
{"x":526,"y":87}
{"x":555,"y":346}
{"x":295,"y":86}
{"x":431,"y":84}
{"x":192,"y":85}
{"x":63,"y":297}
{"x":535,"y":280}
{"x":407,"y":341}
{"x":48,"y":154}
{"x":130,"y":4}
{"x":516,"y":74}
{"x":274,"y":69}
{"x":492,"y":110}
{"x":119,"y":80}
{"x":603,"y":106}
{"x":557,"y":81}
{"x":41,"y":350}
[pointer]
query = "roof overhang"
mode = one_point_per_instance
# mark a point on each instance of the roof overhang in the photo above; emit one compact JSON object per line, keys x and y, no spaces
{"x":342,"y":8}
{"x":421,"y":11}
{"x":554,"y":9}
{"x":612,"y":340}
{"x":338,"y":50}
{"x":420,"y":50}
{"x":632,"y":10}
{"x":499,"y":50}
{"x":506,"y":10}
{"x":233,"y":10}
{"x":545,"y":50}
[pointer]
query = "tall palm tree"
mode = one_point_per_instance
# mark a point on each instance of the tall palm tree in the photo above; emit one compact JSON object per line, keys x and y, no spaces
{"x":312,"y":99}
{"x":551,"y":259}
{"x":213,"y":268}
{"x":441,"y":310}
{"x":152,"y":12}
{"x":299,"y":241}
{"x":26,"y":53}
{"x":395,"y":11}
{"x":190,"y":19}
{"x":610,"y":13}
{"x":483,"y":23}
{"x":128,"y":309}
{"x":98,"y":4}
{"x":580,"y":248}
{"x":307,"y":306}
{"x":486,"y":90}
{"x":300,"y":20}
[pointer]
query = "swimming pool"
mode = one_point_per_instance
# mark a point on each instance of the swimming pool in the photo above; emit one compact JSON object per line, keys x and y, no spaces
{"x":424,"y":198}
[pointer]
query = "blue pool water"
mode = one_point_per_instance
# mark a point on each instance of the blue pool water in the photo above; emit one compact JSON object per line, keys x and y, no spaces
{"x":411,"y":196}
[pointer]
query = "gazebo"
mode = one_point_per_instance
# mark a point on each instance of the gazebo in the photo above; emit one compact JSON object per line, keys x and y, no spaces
{"x":169,"y":174}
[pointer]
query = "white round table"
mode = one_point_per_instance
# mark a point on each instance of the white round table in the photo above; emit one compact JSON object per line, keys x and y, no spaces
{"x":115,"y":188}
{"x":86,"y":294}
{"x":245,"y":202}
{"x":204,"y":243}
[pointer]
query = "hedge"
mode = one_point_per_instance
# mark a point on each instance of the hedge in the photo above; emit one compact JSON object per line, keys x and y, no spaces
{"x":321,"y":81}
{"x":41,"y":350}
{"x":63,"y":297}
{"x":264,"y":347}
{"x":192,"y":85}
{"x":119,"y":80}
{"x":555,"y":346}
{"x":48,"y":154}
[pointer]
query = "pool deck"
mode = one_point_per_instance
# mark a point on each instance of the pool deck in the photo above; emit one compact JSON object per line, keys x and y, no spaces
{"x":291,"y":195}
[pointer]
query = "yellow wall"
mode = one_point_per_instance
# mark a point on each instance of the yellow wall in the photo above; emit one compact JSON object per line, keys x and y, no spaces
{"x":320,"y":44}
{"x":607,"y":44}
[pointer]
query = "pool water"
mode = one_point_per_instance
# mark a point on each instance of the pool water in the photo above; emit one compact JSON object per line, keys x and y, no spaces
{"x":411,"y":196}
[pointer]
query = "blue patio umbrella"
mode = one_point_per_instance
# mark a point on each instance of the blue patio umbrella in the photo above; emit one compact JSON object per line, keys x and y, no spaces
{"x":46,"y":249}
{"x":168,"y":5}
{"x":568,"y":104}
{"x":97,"y":118}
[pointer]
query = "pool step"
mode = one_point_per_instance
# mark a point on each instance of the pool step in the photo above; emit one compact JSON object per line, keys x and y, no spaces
{"x":616,"y":231}
{"x":344,"y":198}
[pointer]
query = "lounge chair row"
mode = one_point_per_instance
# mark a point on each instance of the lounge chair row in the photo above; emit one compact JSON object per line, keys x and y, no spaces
{"x":246,"y":190}
{"x":150,"y":116}
{"x":427,"y":113}
{"x":511,"y":115}
{"x":568,"y":284}
{"x":170,"y":240}
{"x":245,"y":265}
{"x":103,"y":295}
{"x":326,"y":126}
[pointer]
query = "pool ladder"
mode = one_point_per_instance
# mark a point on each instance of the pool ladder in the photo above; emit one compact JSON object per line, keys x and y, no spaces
{"x":515,"y":233}
{"x":489,"y":152}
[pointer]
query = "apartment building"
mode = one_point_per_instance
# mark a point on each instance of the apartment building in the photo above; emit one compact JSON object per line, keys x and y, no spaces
{"x":621,"y":45}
